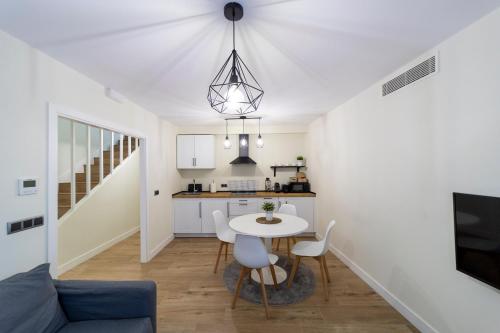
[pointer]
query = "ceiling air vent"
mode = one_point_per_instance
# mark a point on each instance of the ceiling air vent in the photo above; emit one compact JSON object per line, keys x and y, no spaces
{"x":421,"y":70}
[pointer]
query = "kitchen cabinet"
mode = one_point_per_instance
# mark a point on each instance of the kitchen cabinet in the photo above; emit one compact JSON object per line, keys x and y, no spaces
{"x":187,"y":216}
{"x":195,"y":151}
{"x":207,"y":207}
{"x":274,"y":200}
{"x":194,"y":215}
{"x":204,"y":151}
{"x":238,"y":207}
{"x":305,"y":209}
{"x":243,"y":206}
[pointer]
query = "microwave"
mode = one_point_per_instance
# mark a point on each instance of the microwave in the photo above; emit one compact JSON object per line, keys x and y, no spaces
{"x":298,"y":187}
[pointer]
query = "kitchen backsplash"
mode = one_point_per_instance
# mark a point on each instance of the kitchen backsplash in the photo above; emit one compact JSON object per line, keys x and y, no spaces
{"x":242,"y":185}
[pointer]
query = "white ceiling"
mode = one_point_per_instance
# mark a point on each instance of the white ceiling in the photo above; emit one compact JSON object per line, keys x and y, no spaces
{"x":309,"y":56}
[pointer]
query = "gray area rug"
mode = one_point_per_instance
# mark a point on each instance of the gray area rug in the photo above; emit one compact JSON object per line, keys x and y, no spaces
{"x":302,"y":287}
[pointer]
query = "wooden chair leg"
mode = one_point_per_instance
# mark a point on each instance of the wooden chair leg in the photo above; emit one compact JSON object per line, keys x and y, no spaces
{"x":249,"y":276}
{"x":218,"y":256}
{"x":325,"y":266}
{"x":273,"y":274}
{"x":323,"y":278}
{"x":225,"y":258}
{"x":294,"y":270}
{"x":264,"y":294}
{"x":238,"y":286}
{"x":278,"y":245}
{"x":294,"y":240}
{"x":288,"y":247}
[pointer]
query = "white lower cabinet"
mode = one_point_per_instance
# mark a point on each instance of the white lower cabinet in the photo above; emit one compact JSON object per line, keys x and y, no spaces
{"x":243,"y":206}
{"x":187,"y":216}
{"x":305,"y":209}
{"x":194,"y":216}
{"x":275,"y":201}
{"x":207,"y":207}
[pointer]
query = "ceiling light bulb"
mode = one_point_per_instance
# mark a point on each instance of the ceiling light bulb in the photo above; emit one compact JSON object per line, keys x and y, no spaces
{"x":260,"y":142}
{"x":243,"y":142}
{"x":234,"y":97}
{"x":227,"y":143}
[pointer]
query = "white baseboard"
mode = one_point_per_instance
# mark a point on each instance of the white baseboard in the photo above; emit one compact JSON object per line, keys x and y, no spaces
{"x":95,"y":251}
{"x":395,"y":302}
{"x":160,"y":246}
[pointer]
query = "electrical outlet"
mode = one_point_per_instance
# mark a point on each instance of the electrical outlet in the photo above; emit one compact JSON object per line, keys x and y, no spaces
{"x":223,"y":185}
{"x":38,"y":221}
{"x":25,"y":224}
{"x":14,"y":227}
{"x":28,"y":224}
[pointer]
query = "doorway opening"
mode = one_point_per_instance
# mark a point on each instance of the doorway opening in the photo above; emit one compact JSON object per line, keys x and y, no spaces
{"x":97,"y":185}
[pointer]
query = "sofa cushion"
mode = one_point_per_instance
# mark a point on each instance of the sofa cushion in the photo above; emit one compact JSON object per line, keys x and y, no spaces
{"x":135,"y":325}
{"x":29,"y":303}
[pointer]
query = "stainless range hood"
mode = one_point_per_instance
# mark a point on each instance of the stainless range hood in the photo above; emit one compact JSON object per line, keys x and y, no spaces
{"x":243,"y":157}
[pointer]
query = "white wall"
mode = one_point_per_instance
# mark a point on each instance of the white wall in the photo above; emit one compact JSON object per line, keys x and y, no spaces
{"x":282,"y":148}
{"x":385,"y":169}
{"x":108,"y":215}
{"x":28,"y":81}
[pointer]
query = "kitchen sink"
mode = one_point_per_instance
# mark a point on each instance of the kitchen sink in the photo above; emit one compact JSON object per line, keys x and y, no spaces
{"x":243,"y":192}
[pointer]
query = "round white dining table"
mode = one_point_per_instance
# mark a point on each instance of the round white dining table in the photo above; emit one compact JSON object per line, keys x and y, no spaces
{"x":290,"y":226}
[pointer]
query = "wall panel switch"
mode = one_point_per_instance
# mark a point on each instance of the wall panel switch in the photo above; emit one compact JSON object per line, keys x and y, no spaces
{"x":24,"y":224}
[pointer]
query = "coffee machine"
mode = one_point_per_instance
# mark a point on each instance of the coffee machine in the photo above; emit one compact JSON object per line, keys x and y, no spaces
{"x":268,"y":185}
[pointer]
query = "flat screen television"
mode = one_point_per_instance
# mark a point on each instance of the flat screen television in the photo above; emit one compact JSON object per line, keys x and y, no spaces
{"x":477,"y":237}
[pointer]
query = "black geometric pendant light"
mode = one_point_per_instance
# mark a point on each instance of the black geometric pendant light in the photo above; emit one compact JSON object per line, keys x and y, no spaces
{"x":234,"y":90}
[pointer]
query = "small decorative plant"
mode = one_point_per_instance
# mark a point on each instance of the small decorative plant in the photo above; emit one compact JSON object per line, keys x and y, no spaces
{"x":268,"y":207}
{"x":300,"y":160}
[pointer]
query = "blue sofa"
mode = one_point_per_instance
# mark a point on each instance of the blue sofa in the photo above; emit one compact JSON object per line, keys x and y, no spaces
{"x":32,"y":302}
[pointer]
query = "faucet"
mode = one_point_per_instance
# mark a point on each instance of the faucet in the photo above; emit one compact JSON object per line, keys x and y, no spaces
{"x":194,"y":185}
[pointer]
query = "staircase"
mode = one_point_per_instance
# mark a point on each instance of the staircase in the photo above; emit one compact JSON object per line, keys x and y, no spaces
{"x":64,"y":194}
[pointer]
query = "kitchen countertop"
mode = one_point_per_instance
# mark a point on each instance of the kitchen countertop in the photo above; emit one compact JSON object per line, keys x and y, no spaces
{"x":228,"y":194}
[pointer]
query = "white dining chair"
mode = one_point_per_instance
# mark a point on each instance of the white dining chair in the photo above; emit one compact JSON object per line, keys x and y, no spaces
{"x":288,"y":209}
{"x":224,"y":234}
{"x":251,"y":253}
{"x":316,"y":250}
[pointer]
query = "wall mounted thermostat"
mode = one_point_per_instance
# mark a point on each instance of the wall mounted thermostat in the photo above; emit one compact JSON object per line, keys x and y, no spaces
{"x":27,"y":186}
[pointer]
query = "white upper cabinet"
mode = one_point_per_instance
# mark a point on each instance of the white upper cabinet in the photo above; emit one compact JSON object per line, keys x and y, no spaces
{"x":185,"y":151}
{"x":204,"y":151}
{"x":195,"y":151}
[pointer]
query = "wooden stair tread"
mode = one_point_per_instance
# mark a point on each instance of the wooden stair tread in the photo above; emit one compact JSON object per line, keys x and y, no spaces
{"x":64,"y":188}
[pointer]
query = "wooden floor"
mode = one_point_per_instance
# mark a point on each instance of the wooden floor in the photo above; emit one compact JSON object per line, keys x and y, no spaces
{"x":193,"y":299}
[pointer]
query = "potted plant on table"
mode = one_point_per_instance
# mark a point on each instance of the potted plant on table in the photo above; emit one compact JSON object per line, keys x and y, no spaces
{"x":268,"y":207}
{"x":300,"y":160}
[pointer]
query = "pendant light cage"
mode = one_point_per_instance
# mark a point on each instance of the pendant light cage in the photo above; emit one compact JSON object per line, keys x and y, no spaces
{"x":235,"y":76}
{"x":234,"y":90}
